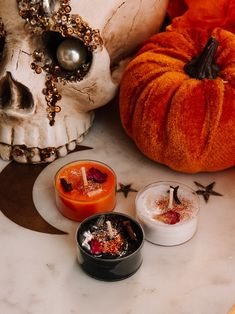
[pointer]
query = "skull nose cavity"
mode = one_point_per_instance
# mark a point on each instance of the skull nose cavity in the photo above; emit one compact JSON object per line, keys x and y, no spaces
{"x":14,"y":95}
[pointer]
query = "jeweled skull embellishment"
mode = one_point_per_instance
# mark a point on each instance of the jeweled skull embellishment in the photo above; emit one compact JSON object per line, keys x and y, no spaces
{"x":60,"y":60}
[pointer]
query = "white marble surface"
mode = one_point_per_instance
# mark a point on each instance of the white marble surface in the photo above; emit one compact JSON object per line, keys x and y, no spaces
{"x":39,"y":272}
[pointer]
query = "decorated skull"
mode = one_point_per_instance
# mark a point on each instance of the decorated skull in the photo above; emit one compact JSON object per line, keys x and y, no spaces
{"x":59,"y":61}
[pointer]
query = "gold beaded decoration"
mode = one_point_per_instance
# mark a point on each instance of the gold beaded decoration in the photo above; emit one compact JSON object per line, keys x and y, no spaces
{"x":51,"y":93}
{"x":54,"y":75}
{"x":39,"y":21}
{"x":62,"y":21}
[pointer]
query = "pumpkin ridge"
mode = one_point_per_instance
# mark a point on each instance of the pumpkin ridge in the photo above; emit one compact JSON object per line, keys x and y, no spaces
{"x":166,"y":61}
{"x":227,"y":75}
{"x":148,"y":107}
{"x":180,"y":153}
{"x":142,"y":80}
{"x":139,"y":95}
{"x":178,"y":130}
{"x":176,"y":55}
{"x":169,"y":39}
{"x":156,"y":58}
{"x":213,"y":115}
{"x":167,"y":138}
{"x":225,"y":55}
{"x":216,"y":142}
{"x":135,"y":94}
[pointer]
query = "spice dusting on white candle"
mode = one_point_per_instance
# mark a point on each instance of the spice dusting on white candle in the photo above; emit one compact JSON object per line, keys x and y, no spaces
{"x":84,"y":177}
{"x":170,"y":204}
{"x":110,"y":229}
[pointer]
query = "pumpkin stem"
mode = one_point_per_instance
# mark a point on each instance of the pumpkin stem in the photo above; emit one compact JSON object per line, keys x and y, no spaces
{"x":202,"y":66}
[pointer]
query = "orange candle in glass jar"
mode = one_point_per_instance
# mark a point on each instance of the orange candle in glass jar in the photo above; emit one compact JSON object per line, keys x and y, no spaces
{"x":84,"y":188}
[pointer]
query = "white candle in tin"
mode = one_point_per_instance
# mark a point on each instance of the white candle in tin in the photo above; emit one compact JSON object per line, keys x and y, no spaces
{"x":166,"y":224}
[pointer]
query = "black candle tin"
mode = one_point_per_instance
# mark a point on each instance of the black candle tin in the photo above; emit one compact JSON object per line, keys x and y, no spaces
{"x":116,"y":268}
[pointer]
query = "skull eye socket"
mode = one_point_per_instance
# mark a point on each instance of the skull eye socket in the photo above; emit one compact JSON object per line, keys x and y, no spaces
{"x":71,"y":57}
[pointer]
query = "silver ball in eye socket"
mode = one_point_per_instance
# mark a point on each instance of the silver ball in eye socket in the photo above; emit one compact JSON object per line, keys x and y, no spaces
{"x":71,"y":54}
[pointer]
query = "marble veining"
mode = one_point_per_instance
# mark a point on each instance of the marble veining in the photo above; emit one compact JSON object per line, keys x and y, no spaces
{"x":39,"y":272}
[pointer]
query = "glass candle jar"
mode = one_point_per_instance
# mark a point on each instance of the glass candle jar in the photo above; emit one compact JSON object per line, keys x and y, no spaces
{"x":84,"y":188}
{"x":109,"y":246}
{"x":168,"y":212}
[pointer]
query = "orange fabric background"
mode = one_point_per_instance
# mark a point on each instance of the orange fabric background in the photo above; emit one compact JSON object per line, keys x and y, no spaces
{"x":204,"y":14}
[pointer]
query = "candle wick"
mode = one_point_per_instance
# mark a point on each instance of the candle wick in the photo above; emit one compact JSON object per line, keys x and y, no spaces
{"x":170,"y":203}
{"x":110,"y":229}
{"x":84,"y":176}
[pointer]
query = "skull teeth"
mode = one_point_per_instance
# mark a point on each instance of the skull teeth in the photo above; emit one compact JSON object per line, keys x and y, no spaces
{"x":23,"y":154}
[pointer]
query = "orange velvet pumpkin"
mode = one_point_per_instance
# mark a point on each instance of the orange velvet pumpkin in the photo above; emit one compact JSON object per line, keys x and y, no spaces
{"x":177,"y":100}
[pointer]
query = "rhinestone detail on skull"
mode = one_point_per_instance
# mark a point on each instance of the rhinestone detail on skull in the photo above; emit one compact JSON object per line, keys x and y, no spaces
{"x":39,"y":20}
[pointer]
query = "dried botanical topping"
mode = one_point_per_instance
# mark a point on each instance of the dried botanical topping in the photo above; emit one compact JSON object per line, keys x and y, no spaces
{"x":170,"y":217}
{"x":185,"y":209}
{"x":96,"y":175}
{"x":66,"y":186}
{"x":104,"y":245}
{"x":175,"y":196}
{"x":94,"y":192}
{"x":129,"y":229}
{"x":114,"y":246}
{"x":110,"y":237}
{"x":96,"y":247}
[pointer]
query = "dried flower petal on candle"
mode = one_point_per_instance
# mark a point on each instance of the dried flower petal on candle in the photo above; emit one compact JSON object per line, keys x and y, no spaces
{"x":170,"y":217}
{"x":96,"y":247}
{"x":67,"y":187}
{"x":96,"y":175}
